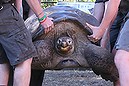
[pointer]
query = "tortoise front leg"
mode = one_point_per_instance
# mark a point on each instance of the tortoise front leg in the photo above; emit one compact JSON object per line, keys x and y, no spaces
{"x":101,"y":61}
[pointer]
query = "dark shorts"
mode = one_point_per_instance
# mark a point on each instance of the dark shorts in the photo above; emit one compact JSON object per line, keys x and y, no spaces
{"x":115,"y":28}
{"x":123,"y":38}
{"x":15,"y":40}
{"x":100,"y":1}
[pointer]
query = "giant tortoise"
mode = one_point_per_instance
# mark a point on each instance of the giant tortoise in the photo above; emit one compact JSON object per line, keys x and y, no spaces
{"x":67,"y":45}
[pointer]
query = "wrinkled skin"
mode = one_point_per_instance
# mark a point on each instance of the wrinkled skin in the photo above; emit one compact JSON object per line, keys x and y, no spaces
{"x":67,"y":45}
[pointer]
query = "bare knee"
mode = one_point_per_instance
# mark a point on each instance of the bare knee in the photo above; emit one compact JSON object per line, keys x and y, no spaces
{"x":22,"y":73}
{"x":25,"y":63}
{"x":121,"y":58}
{"x":4,"y":74}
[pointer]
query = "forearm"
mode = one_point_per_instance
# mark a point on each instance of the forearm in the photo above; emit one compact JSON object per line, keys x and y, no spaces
{"x":45,"y":21}
{"x":36,"y":7}
{"x":31,"y":11}
{"x":110,"y":14}
{"x":18,"y":4}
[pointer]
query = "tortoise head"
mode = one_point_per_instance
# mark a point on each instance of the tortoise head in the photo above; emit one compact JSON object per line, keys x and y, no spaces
{"x":64,"y":45}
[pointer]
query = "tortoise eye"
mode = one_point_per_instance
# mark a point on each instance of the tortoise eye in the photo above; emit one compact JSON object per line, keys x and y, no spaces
{"x":69,"y":41}
{"x":59,"y":41}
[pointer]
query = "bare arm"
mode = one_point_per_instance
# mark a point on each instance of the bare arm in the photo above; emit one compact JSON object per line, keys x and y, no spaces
{"x":35,"y":6}
{"x":111,"y":11}
{"x":110,"y":14}
{"x":31,"y":11}
{"x":37,"y":9}
{"x":18,"y":4}
{"x":106,"y":37}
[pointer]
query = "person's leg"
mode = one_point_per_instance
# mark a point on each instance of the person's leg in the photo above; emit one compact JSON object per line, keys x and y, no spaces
{"x":122,"y":54}
{"x":23,"y":51}
{"x":4,"y":74}
{"x":4,"y":67}
{"x":122,"y":63}
{"x":18,"y":46}
{"x":114,"y":31}
{"x":22,"y":73}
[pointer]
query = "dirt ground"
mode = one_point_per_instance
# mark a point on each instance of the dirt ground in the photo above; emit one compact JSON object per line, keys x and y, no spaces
{"x":73,"y":78}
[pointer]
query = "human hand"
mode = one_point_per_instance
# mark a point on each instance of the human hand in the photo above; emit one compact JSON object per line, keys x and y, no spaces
{"x":97,"y":33}
{"x":47,"y":24}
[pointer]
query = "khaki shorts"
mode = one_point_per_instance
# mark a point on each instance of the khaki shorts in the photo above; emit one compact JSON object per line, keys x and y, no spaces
{"x":123,"y":38}
{"x":15,"y":40}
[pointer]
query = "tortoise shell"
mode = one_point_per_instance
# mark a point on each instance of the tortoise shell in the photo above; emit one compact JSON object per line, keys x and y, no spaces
{"x":67,"y":45}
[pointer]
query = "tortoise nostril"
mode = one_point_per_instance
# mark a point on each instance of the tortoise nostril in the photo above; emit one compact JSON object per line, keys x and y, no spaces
{"x":64,"y":44}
